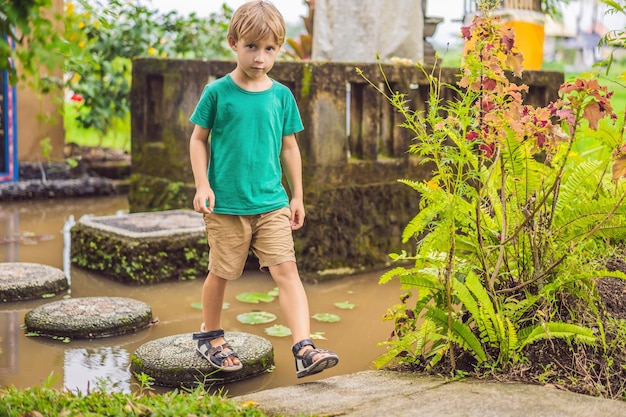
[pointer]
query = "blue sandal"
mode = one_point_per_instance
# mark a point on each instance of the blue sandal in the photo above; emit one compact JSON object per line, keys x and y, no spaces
{"x":216,"y":354}
{"x":305,"y":365}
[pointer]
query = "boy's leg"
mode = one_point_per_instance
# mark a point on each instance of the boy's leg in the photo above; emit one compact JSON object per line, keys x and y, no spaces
{"x":212,"y":301}
{"x":273,"y":245}
{"x":229,"y":239}
{"x":292,"y":299}
{"x":294,"y":304}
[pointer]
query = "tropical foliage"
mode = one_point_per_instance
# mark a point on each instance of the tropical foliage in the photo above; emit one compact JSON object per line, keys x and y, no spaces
{"x":512,"y":219}
{"x":106,"y":36}
{"x":31,"y":38}
{"x":93,"y":44}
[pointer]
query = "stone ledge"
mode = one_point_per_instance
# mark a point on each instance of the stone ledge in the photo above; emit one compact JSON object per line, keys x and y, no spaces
{"x":142,"y":248}
{"x":62,"y":188}
{"x":174,"y":362}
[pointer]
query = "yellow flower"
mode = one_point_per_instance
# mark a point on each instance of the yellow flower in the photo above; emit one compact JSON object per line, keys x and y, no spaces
{"x":81,"y":44}
{"x":151,"y":51}
{"x":69,"y":8}
{"x":432,"y":185}
{"x":81,"y":25}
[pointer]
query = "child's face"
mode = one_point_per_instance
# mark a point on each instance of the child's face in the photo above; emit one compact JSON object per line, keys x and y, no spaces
{"x":256,"y":58}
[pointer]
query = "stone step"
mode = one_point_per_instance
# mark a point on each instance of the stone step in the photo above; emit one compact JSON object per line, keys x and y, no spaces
{"x":174,"y":362}
{"x":26,"y":281}
{"x":88,"y":317}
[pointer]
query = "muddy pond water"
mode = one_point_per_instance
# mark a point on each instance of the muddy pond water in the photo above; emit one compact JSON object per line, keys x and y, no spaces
{"x":34,"y":232}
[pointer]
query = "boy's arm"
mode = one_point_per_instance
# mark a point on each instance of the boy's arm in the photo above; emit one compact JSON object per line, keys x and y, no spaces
{"x":292,"y":163}
{"x":204,"y":200}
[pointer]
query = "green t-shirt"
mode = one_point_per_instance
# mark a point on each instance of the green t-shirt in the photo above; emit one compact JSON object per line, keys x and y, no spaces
{"x":245,"y":144}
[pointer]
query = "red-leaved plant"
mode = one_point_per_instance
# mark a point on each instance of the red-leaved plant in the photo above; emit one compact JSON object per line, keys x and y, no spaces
{"x":512,"y":222}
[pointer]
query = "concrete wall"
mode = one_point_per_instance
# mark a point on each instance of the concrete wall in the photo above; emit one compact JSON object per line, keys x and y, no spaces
{"x":353,"y":151}
{"x":39,"y":116}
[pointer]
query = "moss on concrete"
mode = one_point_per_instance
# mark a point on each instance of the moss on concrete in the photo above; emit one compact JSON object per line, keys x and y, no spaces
{"x":139,"y":261}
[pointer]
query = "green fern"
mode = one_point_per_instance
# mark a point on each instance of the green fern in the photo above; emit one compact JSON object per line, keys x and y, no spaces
{"x":559,"y":330}
{"x":461,"y":333}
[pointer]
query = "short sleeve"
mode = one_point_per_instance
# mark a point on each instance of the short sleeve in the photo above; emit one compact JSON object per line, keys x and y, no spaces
{"x":204,"y":113}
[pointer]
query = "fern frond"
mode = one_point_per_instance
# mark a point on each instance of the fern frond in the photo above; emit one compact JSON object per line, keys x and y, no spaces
{"x":583,"y":177}
{"x":487,"y":320}
{"x":420,"y":222}
{"x":515,"y":309}
{"x":461,"y":334}
{"x":393,"y":273}
{"x":416,"y":185}
{"x":555,"y":329}
{"x":512,"y":335}
{"x":396,"y":348}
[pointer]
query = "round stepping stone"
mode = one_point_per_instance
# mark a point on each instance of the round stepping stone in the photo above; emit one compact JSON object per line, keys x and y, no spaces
{"x":174,"y":362}
{"x":89,"y":317}
{"x":26,"y":281}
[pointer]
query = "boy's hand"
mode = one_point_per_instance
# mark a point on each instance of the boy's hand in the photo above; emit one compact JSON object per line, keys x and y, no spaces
{"x":204,"y":200}
{"x":297,"y":213}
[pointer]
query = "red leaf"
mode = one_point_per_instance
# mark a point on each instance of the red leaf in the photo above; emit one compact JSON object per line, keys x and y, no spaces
{"x":619,"y":167}
{"x":592,"y":113}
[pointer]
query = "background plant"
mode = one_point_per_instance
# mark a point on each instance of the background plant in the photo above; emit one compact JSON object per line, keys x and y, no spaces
{"x":105,"y":37}
{"x":509,"y":227}
{"x":32,"y":40}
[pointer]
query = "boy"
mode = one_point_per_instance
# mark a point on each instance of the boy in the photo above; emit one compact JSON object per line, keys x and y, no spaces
{"x":252,"y":121}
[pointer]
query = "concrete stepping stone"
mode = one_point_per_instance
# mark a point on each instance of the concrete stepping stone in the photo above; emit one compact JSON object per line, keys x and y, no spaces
{"x":174,"y":362}
{"x":88,"y":317}
{"x":142,"y":248}
{"x":26,"y":281}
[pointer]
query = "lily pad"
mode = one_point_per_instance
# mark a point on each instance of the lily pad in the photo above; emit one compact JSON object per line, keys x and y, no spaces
{"x":278,"y":330}
{"x":273,"y":292}
{"x":256,"y":317}
{"x":326,"y":317}
{"x":254,"y":297}
{"x":317,"y":336}
{"x":345,"y":305}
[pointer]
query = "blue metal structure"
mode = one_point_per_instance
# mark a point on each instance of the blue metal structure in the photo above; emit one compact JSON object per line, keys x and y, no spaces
{"x":8,"y":130}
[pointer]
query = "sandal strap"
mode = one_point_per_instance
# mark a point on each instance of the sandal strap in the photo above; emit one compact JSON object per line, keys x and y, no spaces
{"x":307,"y":357}
{"x":214,"y":334}
{"x":218,"y":351}
{"x":298,"y":346}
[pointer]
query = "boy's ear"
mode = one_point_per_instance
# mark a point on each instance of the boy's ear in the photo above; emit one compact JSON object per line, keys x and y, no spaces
{"x":232,"y":43}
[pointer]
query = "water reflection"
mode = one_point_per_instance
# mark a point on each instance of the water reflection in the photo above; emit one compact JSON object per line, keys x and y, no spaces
{"x":8,"y":342}
{"x":104,"y":369}
{"x":67,"y":248}
{"x":29,"y":361}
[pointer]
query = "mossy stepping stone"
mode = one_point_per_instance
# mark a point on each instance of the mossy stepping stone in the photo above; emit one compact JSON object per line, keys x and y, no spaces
{"x":142,"y":248}
{"x":89,"y":317}
{"x":174,"y":362}
{"x":26,"y":281}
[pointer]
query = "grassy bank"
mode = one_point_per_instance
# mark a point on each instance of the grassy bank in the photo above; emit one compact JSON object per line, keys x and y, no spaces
{"x":49,"y":402}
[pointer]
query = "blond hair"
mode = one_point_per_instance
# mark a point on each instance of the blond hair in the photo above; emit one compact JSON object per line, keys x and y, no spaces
{"x":257,"y":19}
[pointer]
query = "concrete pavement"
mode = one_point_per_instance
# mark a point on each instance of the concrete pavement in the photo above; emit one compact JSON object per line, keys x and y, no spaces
{"x":396,"y":394}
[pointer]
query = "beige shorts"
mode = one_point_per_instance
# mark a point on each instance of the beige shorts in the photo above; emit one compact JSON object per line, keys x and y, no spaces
{"x":231,"y":237}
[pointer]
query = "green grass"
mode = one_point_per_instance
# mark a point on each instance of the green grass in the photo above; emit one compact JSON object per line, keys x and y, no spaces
{"x":118,"y":136}
{"x":49,"y":402}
